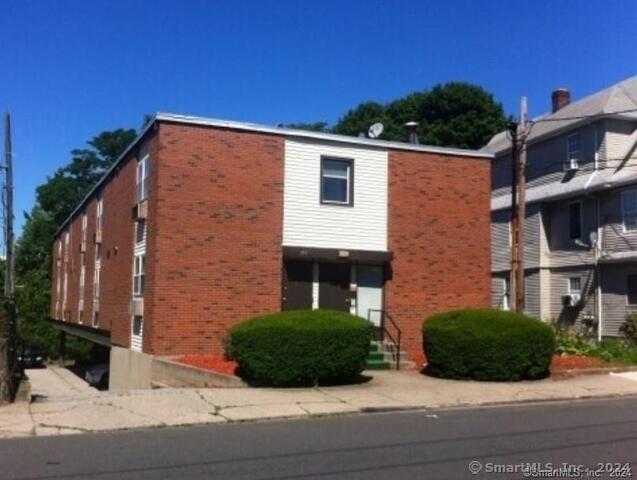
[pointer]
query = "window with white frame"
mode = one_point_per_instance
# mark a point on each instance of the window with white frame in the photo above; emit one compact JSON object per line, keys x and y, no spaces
{"x":575,"y":219}
{"x":629,"y":210}
{"x":99,"y":214}
{"x":139,"y":271}
{"x":138,"y":325}
{"x":573,"y":149}
{"x":575,"y":286}
{"x":143,"y":171}
{"x":82,"y":279}
{"x":140,"y":231}
{"x":96,"y":283}
{"x":336,"y":181}
{"x":84,"y":226}
{"x":631,"y":289}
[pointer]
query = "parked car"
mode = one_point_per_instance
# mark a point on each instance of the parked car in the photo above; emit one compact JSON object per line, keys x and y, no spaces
{"x":31,"y":357}
{"x":97,"y":376}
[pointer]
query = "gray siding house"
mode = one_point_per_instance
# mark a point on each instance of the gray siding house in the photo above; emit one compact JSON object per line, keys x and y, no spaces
{"x":581,"y":226}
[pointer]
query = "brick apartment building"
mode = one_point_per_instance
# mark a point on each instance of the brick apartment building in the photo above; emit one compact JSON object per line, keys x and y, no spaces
{"x":204,"y":223}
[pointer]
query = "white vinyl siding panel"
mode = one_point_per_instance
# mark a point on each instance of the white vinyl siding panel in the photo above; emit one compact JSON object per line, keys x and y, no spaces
{"x":308,"y":223}
{"x":532,"y":294}
{"x":501,"y":243}
{"x":500,"y":240}
{"x":572,"y":316}
{"x":614,"y":238}
{"x":617,"y":135}
{"x":565,"y":251}
{"x":614,"y":297}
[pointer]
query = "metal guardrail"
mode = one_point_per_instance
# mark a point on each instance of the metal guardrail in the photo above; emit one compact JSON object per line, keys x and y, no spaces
{"x":396,"y":340}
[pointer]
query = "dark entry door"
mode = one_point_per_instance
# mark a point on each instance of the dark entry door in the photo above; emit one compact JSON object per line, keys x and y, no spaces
{"x":297,"y":286}
{"x":334,"y":280}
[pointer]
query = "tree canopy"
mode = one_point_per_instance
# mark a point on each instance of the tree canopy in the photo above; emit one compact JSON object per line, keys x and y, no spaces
{"x":55,"y":200}
{"x":62,"y":192}
{"x":455,"y":114}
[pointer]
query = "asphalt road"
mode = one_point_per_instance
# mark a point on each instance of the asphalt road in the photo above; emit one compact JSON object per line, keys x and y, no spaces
{"x":395,"y":445}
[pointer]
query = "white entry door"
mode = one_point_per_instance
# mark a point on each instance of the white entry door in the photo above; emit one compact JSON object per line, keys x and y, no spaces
{"x":370,"y":292}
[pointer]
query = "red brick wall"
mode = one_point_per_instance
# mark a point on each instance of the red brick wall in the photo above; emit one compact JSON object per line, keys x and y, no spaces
{"x":118,"y":195}
{"x":215,"y":231}
{"x":439,"y":231}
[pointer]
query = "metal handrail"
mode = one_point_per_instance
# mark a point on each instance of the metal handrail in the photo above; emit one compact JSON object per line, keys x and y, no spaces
{"x":396,"y":341}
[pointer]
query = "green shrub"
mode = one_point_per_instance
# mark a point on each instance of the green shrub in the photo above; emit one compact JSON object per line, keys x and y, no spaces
{"x":301,"y":347}
{"x":616,"y":350}
{"x":629,"y":328}
{"x":570,"y":342}
{"x":487,"y":345}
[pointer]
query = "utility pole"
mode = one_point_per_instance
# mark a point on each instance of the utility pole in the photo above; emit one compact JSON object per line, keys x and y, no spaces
{"x":519,"y":133}
{"x":9,"y":364}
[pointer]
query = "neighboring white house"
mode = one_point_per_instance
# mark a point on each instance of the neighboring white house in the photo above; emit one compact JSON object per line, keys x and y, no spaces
{"x":581,"y":225}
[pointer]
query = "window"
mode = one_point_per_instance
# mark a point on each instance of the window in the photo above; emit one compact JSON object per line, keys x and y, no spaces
{"x":575,"y":220}
{"x":140,"y":231}
{"x":143,"y":170}
{"x":631,"y":289}
{"x":629,"y":210}
{"x":82,"y":279}
{"x":138,"y":325}
{"x":336,"y":181}
{"x":84,"y":225}
{"x":99,"y":214}
{"x":506,"y":297}
{"x":573,"y":149}
{"x":96,"y":283}
{"x":96,"y":319}
{"x":138,"y":275}
{"x":575,"y":285}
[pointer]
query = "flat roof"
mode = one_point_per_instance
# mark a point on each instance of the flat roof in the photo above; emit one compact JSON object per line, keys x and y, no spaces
{"x":281,"y":131}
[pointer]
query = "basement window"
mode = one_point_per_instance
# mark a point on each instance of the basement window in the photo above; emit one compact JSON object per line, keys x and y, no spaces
{"x":336,"y":181}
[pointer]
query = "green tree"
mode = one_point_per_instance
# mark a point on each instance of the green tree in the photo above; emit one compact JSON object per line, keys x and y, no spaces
{"x":459,"y":115}
{"x":62,"y":192}
{"x":55,"y":200}
{"x":456,"y":114}
{"x":359,"y":119}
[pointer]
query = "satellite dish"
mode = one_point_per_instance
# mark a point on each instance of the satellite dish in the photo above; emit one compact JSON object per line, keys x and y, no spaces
{"x":375,"y":130}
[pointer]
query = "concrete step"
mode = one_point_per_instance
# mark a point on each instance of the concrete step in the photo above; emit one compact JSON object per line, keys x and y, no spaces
{"x":377,"y":365}
{"x":389,"y":354}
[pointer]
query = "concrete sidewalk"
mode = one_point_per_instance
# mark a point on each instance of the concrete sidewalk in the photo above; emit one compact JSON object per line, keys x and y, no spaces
{"x":88,"y":410}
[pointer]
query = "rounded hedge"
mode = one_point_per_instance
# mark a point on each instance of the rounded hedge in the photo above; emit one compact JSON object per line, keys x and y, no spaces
{"x":301,"y":347}
{"x":487,"y":345}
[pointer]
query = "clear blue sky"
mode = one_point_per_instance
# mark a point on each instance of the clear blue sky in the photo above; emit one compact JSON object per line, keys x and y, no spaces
{"x":70,"y":69}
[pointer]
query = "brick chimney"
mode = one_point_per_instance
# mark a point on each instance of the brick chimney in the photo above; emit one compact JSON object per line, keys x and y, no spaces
{"x":560,"y":98}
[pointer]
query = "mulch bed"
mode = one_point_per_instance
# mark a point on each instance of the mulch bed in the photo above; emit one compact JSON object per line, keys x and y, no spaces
{"x":561,"y":363}
{"x":209,"y":362}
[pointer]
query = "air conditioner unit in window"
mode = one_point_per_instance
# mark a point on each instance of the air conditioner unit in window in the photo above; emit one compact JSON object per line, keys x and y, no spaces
{"x":571,"y":165}
{"x":97,"y":237}
{"x":136,"y":307}
{"x":571,"y":300}
{"x":140,"y":211}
